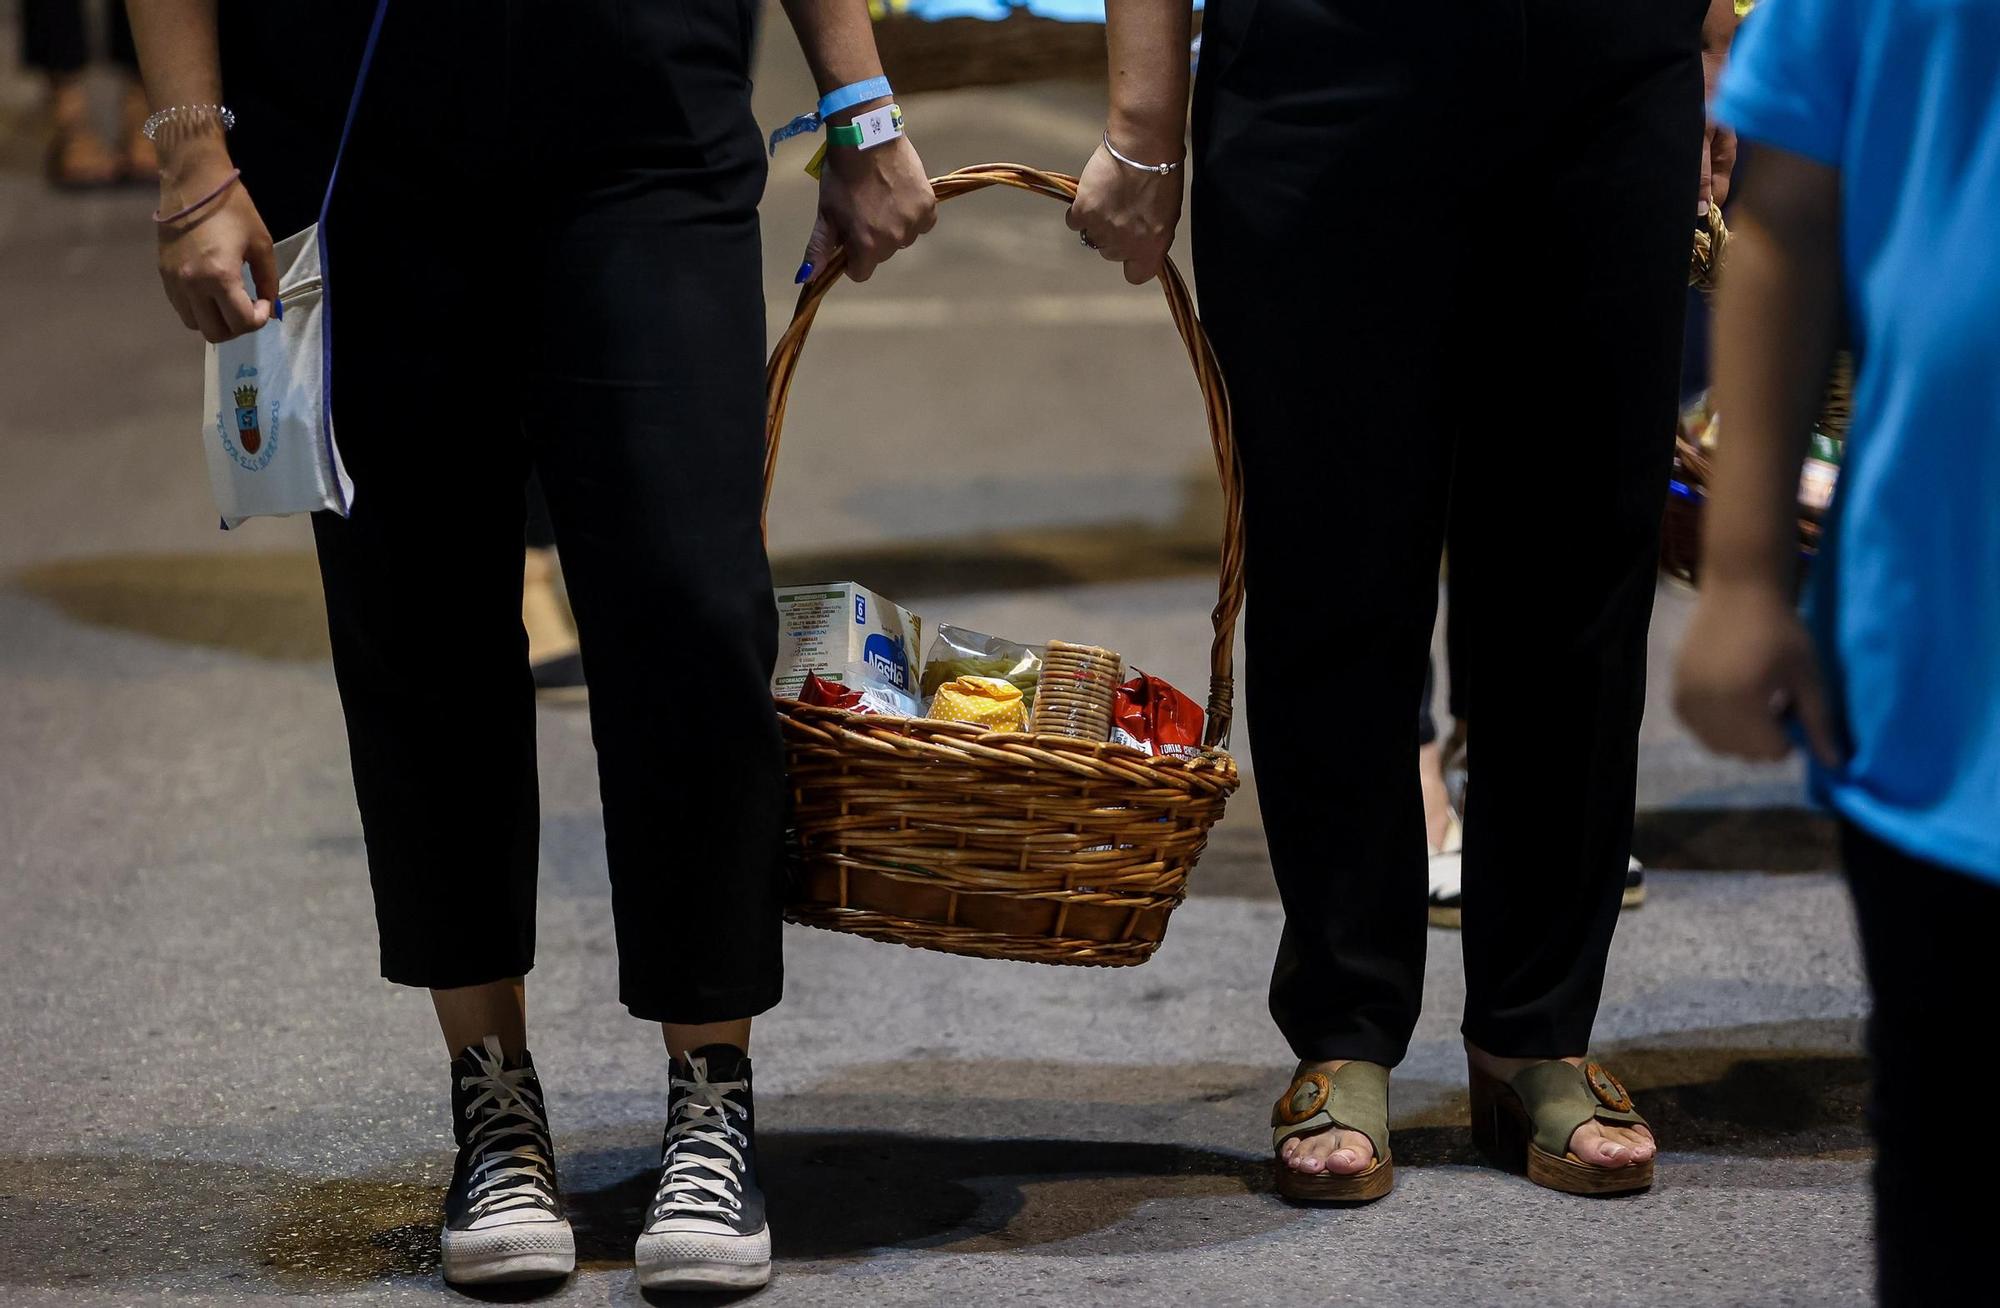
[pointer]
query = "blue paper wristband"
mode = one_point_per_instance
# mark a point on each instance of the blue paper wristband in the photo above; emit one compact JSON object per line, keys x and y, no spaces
{"x":853,"y":94}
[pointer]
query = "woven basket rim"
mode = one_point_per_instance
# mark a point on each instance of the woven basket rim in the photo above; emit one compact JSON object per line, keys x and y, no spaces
{"x":1212,"y":761}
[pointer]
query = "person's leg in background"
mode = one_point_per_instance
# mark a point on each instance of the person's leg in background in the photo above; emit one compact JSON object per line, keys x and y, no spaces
{"x":1439,"y":820}
{"x":1326,"y":315}
{"x":553,"y":657}
{"x":1443,"y":838}
{"x":1925,"y":932}
{"x":55,"y":41}
{"x":140,"y":163}
{"x":1558,"y":634}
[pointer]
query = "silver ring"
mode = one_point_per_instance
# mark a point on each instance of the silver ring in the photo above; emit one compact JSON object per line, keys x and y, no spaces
{"x":1084,"y":239}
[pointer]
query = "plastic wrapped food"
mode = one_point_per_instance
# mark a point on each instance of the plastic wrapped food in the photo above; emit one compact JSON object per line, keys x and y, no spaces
{"x":1149,"y":714}
{"x":988,"y":702}
{"x":865,"y":697}
{"x":956,"y":652}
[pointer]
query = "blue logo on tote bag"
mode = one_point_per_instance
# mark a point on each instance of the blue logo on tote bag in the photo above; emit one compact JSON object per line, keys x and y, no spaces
{"x":244,"y":436}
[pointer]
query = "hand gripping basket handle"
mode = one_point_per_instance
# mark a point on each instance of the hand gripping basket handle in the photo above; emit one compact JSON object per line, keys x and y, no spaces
{"x":1215,"y":400}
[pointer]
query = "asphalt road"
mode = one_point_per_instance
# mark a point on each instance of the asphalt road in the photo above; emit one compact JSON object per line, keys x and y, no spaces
{"x":210,"y":1098}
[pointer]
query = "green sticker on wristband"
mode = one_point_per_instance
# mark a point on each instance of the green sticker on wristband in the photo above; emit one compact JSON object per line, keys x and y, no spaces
{"x":876,"y":127}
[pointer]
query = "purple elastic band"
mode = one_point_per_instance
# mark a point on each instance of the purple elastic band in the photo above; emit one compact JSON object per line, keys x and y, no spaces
{"x":187,"y":209}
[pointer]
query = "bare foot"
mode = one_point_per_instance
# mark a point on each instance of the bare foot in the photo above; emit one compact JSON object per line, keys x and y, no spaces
{"x":1601,"y":1144}
{"x":1339,"y":1151}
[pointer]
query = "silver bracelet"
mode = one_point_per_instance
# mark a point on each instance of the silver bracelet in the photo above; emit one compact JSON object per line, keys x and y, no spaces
{"x":1158,"y":170}
{"x":180,"y":112}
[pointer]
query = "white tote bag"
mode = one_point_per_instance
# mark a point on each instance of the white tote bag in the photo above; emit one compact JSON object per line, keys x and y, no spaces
{"x":267,"y":403}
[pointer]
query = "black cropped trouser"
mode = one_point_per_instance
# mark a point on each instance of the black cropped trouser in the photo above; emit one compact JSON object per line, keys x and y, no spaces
{"x":1443,"y":265}
{"x":524,"y":276}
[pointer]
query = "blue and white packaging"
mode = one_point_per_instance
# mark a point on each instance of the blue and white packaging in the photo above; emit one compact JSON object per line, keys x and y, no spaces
{"x":842,"y":632}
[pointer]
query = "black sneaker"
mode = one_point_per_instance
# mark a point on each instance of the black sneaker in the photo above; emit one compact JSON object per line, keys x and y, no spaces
{"x":706,"y":1230}
{"x":503,"y":1216}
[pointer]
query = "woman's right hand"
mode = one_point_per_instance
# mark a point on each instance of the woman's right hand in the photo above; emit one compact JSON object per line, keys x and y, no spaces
{"x":1126,"y":215}
{"x":202,"y":256}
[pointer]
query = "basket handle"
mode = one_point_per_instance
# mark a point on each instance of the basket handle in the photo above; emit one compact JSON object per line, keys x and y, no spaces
{"x":784,"y":366}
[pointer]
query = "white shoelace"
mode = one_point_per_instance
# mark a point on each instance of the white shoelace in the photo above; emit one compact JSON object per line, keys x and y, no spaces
{"x":695,"y":1183}
{"x":514,"y":1176}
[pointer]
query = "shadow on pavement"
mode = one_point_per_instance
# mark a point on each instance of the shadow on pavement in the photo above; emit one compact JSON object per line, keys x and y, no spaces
{"x":171,"y":1218}
{"x":1737,"y":839}
{"x":268,"y":604}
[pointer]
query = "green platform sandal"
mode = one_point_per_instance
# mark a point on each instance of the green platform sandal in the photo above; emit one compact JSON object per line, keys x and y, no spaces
{"x":1524,"y":1125}
{"x":1355,"y":1097}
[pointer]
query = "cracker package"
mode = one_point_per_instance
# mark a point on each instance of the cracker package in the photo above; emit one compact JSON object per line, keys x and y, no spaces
{"x":956,"y":652}
{"x":1149,"y":714}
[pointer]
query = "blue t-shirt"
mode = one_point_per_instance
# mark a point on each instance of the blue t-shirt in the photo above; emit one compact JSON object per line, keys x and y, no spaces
{"x":1903,"y":97}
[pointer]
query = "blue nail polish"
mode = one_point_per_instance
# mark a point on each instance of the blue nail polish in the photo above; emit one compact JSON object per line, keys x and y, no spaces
{"x":805,"y":273}
{"x":278,"y":310}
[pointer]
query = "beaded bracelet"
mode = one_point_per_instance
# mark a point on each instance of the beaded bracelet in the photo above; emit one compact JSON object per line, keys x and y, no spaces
{"x":175,"y":113}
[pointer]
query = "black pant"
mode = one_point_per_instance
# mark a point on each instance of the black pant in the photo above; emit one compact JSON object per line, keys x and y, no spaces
{"x":524,"y":276}
{"x":54,"y":39}
{"x":1398,"y":217}
{"x":1926,"y":933}
{"x":540,"y":531}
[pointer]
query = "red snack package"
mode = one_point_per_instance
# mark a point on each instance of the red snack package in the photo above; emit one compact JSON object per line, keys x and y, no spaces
{"x":1150,"y":715}
{"x":829,"y":694}
{"x":880,"y":700}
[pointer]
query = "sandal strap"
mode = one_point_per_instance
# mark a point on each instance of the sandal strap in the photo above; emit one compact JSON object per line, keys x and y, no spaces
{"x":1559,"y":1098}
{"x":1355,"y":1097}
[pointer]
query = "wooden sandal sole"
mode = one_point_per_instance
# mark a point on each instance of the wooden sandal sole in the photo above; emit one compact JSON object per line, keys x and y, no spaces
{"x":1336,"y":1188}
{"x":1572,"y":1175}
{"x":1503,"y":1132}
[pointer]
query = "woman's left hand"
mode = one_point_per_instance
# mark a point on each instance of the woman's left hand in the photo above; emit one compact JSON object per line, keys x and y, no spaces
{"x":872,"y":203}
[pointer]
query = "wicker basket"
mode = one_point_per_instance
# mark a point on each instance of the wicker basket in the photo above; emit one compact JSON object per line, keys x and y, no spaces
{"x":1680,"y":535}
{"x":1010,"y":845}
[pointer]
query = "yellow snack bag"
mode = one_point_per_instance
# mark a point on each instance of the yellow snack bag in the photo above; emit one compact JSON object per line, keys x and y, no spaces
{"x":984,"y":701}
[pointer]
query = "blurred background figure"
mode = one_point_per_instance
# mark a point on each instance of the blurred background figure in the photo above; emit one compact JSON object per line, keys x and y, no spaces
{"x":1443,"y":774}
{"x":1872,"y":219}
{"x":56,"y":42}
{"x":554,"y":656}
